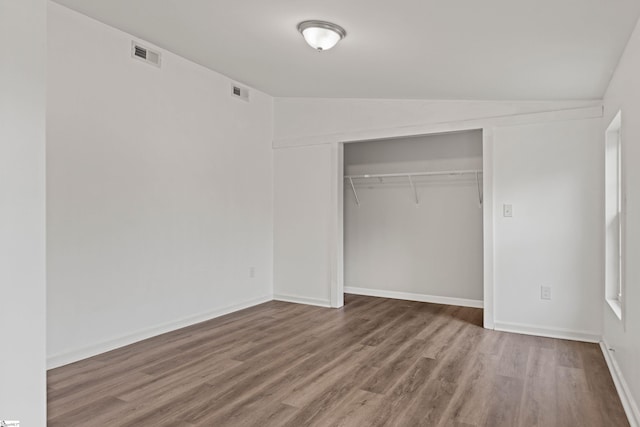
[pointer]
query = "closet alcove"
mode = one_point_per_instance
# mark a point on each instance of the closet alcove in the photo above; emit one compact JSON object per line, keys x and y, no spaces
{"x":413,"y":218}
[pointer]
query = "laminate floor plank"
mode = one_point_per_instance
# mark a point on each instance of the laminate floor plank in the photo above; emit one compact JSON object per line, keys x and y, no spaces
{"x":239,"y":389}
{"x":395,"y":320}
{"x":75,"y":396}
{"x":443,"y":384}
{"x":317,"y":382}
{"x":401,"y":397}
{"x":374,"y":362}
{"x":275,"y":416}
{"x":459,"y":354}
{"x":492,"y":344}
{"x":56,"y":377}
{"x":444,"y":334}
{"x":355,"y":410}
{"x":293,"y":382}
{"x":505,"y":404}
{"x":167,"y":411}
{"x":539,"y":399}
{"x":367,"y":307}
{"x":331,"y":397}
{"x":472,"y":397}
{"x":569,"y":354}
{"x":515,"y":355}
{"x":162,"y":387}
{"x":391,"y":372}
{"x":189,"y":335}
{"x":601,"y":385}
{"x":128,"y":359}
{"x":184,"y":359}
{"x":97,"y":411}
{"x":576,"y":405}
{"x":430,"y":406}
{"x":445,"y":315}
{"x":394,"y":342}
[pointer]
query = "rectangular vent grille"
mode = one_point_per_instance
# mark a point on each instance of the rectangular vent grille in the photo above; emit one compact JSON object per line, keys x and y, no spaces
{"x":240,"y":92}
{"x":140,"y":52}
{"x":144,"y":54}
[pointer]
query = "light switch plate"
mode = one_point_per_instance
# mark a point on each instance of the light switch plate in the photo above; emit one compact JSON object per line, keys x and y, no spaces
{"x":507,"y":211}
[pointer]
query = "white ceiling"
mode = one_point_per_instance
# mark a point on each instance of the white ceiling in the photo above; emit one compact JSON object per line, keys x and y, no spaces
{"x":432,"y":49}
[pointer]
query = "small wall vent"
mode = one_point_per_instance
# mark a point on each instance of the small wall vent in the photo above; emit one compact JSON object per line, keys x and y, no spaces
{"x":240,"y":92}
{"x":145,"y":54}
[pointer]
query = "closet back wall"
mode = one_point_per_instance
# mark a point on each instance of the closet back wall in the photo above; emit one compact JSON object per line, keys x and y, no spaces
{"x":432,"y":249}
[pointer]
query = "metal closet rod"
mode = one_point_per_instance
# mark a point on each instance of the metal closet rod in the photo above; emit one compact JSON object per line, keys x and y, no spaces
{"x":410,"y":175}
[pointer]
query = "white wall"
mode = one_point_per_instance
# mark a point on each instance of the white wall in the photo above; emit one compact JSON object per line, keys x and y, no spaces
{"x":551,"y":174}
{"x":159,"y":192}
{"x":569,"y":126}
{"x":300,"y":121}
{"x":305,"y":253}
{"x":22,"y":211}
{"x":624,"y":337}
{"x":430,"y":249}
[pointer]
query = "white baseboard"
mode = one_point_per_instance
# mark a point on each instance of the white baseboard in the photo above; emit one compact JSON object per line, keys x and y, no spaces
{"x":302,"y":300}
{"x":564,"y":334}
{"x":413,"y":297}
{"x":62,"y":359}
{"x":629,"y":404}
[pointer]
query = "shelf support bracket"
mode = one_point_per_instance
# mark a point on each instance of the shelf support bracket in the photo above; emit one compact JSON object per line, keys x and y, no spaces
{"x":413,"y":187}
{"x":353,"y":188}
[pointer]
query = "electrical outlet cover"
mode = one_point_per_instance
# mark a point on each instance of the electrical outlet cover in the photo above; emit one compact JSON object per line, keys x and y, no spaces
{"x":545,"y":292}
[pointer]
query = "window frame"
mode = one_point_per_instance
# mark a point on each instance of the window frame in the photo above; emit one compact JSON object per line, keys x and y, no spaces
{"x":614,"y":239}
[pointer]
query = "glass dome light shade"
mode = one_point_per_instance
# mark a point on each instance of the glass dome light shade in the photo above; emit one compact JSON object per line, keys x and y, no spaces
{"x":321,"y":35}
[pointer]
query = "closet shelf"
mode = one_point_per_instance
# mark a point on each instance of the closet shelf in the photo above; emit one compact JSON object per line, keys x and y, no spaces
{"x":410,"y":175}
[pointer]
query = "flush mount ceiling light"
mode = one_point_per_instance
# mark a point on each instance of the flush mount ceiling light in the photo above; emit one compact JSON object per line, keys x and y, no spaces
{"x":321,"y":35}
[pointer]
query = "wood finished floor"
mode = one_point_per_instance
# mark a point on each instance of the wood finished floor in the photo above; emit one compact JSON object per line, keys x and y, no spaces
{"x":375,"y":362}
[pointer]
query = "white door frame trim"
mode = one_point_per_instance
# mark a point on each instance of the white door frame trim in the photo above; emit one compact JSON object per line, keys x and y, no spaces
{"x":337,"y":249}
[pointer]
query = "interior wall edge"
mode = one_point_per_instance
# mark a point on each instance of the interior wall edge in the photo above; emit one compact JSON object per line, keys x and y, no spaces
{"x":563,"y":334}
{"x":23,"y":94}
{"x":624,"y":392}
{"x":488,"y":226}
{"x":408,"y":296}
{"x":76,"y":355}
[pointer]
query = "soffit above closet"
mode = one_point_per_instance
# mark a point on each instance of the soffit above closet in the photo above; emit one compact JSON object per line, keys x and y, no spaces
{"x":429,"y":49}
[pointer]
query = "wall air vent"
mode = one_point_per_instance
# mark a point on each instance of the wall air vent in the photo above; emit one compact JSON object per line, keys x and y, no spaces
{"x":239,"y":92}
{"x":145,"y":54}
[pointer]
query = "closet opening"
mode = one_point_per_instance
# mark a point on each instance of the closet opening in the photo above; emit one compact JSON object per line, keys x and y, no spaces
{"x":413,"y":218}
